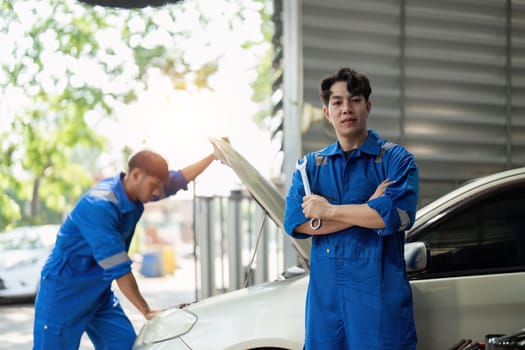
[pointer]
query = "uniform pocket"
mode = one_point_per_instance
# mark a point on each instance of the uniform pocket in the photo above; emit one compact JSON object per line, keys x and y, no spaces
{"x":81,"y":267}
{"x":46,"y":336}
{"x":54,"y":336}
{"x":360,"y":191}
{"x":81,"y":263}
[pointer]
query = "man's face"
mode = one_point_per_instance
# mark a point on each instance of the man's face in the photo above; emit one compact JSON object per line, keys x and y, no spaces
{"x":147,"y":187}
{"x":348,"y":114}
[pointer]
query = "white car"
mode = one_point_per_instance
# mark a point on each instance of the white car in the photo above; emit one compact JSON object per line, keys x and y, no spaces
{"x":23,"y":252}
{"x":465,"y":256}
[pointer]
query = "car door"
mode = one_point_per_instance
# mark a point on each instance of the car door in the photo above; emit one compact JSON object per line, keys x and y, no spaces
{"x":475,"y":281}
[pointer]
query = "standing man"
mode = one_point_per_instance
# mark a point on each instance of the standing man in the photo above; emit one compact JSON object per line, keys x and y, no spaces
{"x":365,"y":193}
{"x":91,"y":251}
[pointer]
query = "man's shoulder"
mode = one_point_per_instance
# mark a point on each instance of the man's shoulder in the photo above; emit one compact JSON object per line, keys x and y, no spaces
{"x":103,"y":194}
{"x":393,"y":154}
{"x":105,"y":189}
{"x":394,"y":148}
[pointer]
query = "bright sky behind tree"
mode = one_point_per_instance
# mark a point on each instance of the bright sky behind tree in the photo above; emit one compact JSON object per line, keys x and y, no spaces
{"x":173,"y":122}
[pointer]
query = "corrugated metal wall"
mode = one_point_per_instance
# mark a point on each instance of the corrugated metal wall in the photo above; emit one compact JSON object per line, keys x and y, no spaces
{"x":448,"y":78}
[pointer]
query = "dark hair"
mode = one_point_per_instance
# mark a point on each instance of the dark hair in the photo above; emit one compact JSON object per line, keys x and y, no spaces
{"x":357,"y":84}
{"x":151,"y":163}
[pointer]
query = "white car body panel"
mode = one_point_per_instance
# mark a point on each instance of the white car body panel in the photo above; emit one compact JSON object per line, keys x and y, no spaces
{"x":450,"y":309}
{"x":21,"y":264}
{"x":18,"y":270}
{"x":224,"y":323}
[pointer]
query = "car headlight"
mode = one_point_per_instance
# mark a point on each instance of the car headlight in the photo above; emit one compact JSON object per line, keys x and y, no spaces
{"x":169,"y":324}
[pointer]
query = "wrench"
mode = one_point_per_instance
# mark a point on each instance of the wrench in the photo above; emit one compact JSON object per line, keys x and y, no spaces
{"x":315,"y":223}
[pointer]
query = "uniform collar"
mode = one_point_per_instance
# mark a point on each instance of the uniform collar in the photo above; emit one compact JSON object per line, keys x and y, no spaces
{"x":372,"y":146}
{"x":124,"y":202}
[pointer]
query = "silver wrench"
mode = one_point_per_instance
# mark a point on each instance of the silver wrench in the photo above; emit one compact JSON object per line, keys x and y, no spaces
{"x":315,"y":223}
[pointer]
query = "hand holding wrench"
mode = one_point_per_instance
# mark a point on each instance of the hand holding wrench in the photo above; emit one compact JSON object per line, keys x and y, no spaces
{"x":315,"y":223}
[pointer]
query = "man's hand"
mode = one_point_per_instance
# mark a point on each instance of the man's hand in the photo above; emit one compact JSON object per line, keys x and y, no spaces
{"x":151,"y":313}
{"x":380,"y":190}
{"x":315,"y":206}
{"x":128,"y":286}
{"x":217,"y":154}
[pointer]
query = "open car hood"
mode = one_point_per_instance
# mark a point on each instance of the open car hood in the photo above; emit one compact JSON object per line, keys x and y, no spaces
{"x":264,"y":192}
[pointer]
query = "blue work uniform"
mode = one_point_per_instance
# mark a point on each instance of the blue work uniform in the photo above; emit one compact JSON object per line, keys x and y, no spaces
{"x":359,"y":296}
{"x":91,"y":251}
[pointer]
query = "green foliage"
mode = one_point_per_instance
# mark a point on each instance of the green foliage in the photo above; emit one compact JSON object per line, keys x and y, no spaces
{"x":62,"y":102}
{"x":65,"y":67}
{"x":10,"y":209}
{"x":262,"y":86}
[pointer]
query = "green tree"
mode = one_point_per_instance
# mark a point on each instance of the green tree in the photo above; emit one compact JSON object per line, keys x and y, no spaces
{"x":64,"y":67}
{"x":262,"y":86}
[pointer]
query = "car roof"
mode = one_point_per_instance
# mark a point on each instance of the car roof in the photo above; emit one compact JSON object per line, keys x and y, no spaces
{"x":474,"y":187}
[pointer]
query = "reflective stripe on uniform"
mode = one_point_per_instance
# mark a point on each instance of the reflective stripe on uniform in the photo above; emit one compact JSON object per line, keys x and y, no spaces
{"x":403,"y":218}
{"x":104,"y":194}
{"x":320,"y":160}
{"x":114,"y":260}
{"x":379,"y":157}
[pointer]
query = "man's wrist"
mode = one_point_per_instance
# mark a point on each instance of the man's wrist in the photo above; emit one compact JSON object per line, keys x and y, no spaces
{"x":330,"y":213}
{"x":146,"y":310}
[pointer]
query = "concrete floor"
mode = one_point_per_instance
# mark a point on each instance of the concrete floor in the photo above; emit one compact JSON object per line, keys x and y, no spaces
{"x":16,"y":318}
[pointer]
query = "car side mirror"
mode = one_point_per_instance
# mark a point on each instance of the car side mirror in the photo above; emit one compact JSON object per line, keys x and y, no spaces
{"x":417,"y":256}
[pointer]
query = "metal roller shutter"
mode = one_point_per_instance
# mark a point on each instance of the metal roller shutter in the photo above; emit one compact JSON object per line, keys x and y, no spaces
{"x":448,"y":79}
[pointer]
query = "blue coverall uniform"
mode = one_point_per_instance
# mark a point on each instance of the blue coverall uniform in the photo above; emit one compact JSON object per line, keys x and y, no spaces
{"x":359,"y":296}
{"x":91,"y":251}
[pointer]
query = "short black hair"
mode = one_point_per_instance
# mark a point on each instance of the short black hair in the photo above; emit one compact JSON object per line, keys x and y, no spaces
{"x":357,"y":84}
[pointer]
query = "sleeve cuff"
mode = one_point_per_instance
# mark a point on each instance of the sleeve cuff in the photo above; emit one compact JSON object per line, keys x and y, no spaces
{"x":293,"y":218}
{"x":386,"y":209}
{"x":117,"y":271}
{"x":177,"y":182}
